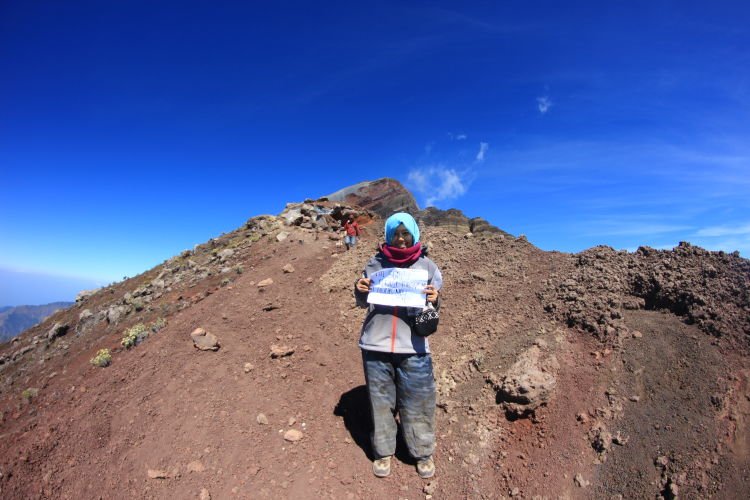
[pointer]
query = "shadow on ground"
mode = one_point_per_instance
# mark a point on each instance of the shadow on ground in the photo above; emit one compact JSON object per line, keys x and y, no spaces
{"x":354,"y":408}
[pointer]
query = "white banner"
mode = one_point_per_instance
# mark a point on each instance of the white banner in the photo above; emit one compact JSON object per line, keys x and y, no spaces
{"x":398,"y":287}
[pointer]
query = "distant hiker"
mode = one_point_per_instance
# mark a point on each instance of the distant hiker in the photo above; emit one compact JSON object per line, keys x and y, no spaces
{"x":351,"y":229}
{"x":397,"y":362}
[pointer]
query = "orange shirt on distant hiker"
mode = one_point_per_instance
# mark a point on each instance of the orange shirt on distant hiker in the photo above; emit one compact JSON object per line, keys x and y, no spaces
{"x":352,"y":231}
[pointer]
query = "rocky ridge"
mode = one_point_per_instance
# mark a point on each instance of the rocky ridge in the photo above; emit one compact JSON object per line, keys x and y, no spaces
{"x":592,"y":375}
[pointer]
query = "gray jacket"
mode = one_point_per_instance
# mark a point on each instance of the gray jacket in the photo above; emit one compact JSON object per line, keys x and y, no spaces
{"x":386,"y":328}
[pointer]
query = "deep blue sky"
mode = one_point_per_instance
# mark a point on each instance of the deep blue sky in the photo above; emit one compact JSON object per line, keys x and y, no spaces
{"x":132,"y":130}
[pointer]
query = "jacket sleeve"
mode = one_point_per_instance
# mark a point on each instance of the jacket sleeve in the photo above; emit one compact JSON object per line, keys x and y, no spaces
{"x":437,"y":280}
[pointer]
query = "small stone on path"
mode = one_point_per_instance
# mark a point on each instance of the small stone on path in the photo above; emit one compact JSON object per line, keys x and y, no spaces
{"x":429,"y":488}
{"x":293,"y":435}
{"x":248,"y":367}
{"x":196,"y":466}
{"x":261,"y":419}
{"x":280,"y":351}
{"x":580,"y":481}
{"x":205,"y":495}
{"x":288,"y":268}
{"x":265,"y":282}
{"x":157,"y":474}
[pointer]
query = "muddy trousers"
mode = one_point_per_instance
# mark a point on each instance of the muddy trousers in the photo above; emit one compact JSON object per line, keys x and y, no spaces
{"x":401,"y":383}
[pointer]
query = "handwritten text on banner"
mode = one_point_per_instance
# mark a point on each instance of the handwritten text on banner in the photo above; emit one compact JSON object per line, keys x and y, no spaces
{"x":398,"y":287}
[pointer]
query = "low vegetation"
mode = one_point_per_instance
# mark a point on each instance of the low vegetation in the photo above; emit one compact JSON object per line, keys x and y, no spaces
{"x":135,"y":334}
{"x":103,"y":358}
{"x":29,"y":394}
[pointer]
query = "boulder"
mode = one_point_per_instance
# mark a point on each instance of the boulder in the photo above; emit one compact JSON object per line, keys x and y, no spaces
{"x":528,"y":384}
{"x":57,"y":330}
{"x":225,"y":254}
{"x":292,"y":217}
{"x":114,"y":313}
{"x":85,"y":294}
{"x":204,"y":340}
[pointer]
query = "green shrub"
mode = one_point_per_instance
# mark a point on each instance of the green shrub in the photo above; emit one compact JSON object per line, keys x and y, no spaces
{"x":103,"y":358}
{"x":236,"y":242}
{"x":135,"y":334}
{"x":30,"y":393}
{"x":158,"y":324}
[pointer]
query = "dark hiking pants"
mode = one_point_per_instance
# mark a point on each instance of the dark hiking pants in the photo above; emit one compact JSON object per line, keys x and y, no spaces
{"x":401,"y":383}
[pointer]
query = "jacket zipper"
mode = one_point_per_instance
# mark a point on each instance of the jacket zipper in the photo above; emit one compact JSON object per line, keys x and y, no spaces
{"x":394,"y":326}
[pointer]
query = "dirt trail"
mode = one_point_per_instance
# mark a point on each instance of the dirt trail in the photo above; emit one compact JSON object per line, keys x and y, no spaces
{"x":675,"y":398}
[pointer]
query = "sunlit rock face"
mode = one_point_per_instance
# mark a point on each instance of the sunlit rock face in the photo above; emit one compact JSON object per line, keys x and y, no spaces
{"x":383,"y":196}
{"x":387,"y":196}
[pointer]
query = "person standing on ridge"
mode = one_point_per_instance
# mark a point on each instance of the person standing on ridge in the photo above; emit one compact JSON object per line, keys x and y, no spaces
{"x":397,"y":361}
{"x":351,"y":229}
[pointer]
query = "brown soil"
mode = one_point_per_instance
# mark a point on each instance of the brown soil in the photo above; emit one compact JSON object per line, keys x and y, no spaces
{"x":675,"y":396}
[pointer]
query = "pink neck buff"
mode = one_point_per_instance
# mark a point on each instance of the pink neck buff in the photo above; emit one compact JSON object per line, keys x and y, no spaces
{"x":402,"y":256}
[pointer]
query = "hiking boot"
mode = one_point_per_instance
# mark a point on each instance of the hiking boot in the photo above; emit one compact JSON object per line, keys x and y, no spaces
{"x":382,"y":467}
{"x":426,"y":468}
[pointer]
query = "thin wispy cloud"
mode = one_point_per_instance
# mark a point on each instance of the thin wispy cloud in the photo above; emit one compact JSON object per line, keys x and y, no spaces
{"x":722,"y":231}
{"x":729,"y":243}
{"x":457,"y":137}
{"x":727,"y":238}
{"x":438,"y":183}
{"x":543,"y":104}
{"x":638,"y":229}
{"x":483,"y":147}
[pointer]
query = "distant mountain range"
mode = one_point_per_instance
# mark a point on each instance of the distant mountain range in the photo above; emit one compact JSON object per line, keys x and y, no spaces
{"x":14,"y":320}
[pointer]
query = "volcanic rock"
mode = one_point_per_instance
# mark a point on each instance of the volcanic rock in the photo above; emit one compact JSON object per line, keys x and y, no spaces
{"x":157,"y":474}
{"x":84,"y":295}
{"x":383,"y":196}
{"x":293,"y":435}
{"x":204,"y":340}
{"x":57,"y":330}
{"x":196,"y":466}
{"x":280,"y":351}
{"x":529,"y":383}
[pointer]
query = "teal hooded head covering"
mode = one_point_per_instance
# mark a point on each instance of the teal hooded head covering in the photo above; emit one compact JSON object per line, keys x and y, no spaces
{"x":396,"y":220}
